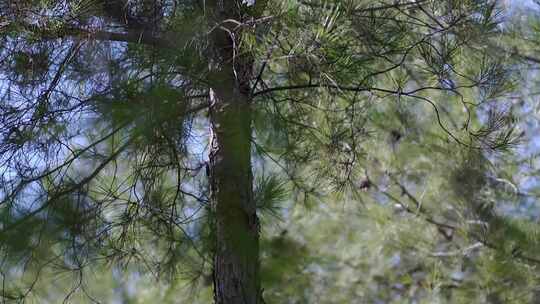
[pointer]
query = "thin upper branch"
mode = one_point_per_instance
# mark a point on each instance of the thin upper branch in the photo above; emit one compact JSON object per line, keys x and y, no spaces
{"x":139,"y":36}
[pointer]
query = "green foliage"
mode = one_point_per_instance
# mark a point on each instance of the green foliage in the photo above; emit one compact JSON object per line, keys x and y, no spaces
{"x":383,"y":136}
{"x":269,"y":193}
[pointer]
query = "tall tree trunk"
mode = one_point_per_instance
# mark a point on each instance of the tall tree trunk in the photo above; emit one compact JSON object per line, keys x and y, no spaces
{"x":236,"y":263}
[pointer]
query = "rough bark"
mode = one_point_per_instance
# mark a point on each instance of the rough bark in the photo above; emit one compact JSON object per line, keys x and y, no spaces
{"x":236,"y":262}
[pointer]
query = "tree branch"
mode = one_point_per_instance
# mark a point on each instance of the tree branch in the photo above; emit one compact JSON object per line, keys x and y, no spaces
{"x":143,"y":36}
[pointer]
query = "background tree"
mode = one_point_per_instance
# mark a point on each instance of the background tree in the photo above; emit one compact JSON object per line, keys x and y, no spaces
{"x":107,"y":153}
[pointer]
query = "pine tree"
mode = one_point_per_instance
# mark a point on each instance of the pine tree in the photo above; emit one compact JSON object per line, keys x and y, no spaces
{"x":104,"y":145}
